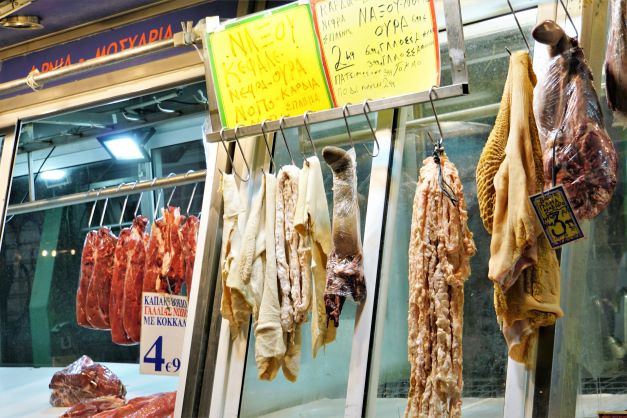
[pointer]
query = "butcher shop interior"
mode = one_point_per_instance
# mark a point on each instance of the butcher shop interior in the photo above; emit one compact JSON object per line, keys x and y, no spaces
{"x":450,"y":251}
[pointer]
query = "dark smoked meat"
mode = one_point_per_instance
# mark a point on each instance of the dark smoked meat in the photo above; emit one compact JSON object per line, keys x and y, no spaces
{"x":87,"y":268}
{"x":90,"y":407}
{"x":98,"y":293}
{"x":616,"y":60}
{"x":116,"y":301}
{"x":84,"y":380}
{"x":160,"y":405}
{"x":189,"y":232}
{"x":134,"y":280}
{"x":577,"y":149}
{"x":345,"y":271}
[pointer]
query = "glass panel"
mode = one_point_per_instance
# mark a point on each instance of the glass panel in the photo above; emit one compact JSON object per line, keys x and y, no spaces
{"x":466,"y":122}
{"x":322,"y":382}
{"x":41,"y":251}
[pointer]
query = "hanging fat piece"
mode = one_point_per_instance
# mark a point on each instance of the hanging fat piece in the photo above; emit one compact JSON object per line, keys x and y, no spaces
{"x":134,"y":278}
{"x":345,"y":271}
{"x":577,"y":150}
{"x":98,"y":293}
{"x":616,"y":62}
{"x":522,"y":265}
{"x":88,"y":259}
{"x":439,"y":263}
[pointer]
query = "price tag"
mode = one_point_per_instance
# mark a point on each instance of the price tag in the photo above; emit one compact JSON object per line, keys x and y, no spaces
{"x":556,"y":216}
{"x":163,"y":325}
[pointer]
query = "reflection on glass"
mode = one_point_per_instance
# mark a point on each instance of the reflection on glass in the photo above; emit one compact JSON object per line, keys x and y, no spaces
{"x":322,"y":382}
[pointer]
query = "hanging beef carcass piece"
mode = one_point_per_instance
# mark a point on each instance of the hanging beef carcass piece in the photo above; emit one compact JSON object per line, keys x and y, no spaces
{"x":616,"y":61}
{"x":577,"y":149}
{"x":160,"y":405}
{"x":345,"y":270}
{"x":87,"y":269}
{"x":116,"y":301}
{"x":83,"y":380}
{"x":90,"y":407}
{"x":98,"y":293}
{"x":165,"y":267}
{"x":439,"y":263}
{"x":134,"y":279}
{"x":189,"y":233}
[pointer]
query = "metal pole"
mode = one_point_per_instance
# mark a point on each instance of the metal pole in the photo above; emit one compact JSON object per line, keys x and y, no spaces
{"x":42,"y":78}
{"x":109,"y":192}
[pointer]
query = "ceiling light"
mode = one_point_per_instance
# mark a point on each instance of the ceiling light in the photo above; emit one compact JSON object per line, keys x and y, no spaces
{"x":52,"y":175}
{"x":22,"y":22}
{"x":8,"y":7}
{"x":124,"y":148}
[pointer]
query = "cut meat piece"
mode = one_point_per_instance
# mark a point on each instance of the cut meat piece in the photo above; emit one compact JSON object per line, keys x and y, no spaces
{"x":160,"y":405}
{"x":189,"y":233}
{"x":616,"y":61}
{"x":116,"y":301}
{"x":87,"y":269}
{"x":134,"y":279}
{"x":174,"y":245}
{"x":439,"y":263}
{"x":155,"y":251}
{"x":90,"y":407}
{"x":84,"y":380}
{"x":577,"y":150}
{"x":98,"y":293}
{"x":345,"y":270}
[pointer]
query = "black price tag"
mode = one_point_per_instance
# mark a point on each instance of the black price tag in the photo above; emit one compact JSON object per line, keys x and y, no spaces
{"x":556,"y":216}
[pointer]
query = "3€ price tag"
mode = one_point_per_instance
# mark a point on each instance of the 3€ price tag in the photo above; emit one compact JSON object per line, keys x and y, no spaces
{"x":163,"y":325}
{"x":556,"y":216}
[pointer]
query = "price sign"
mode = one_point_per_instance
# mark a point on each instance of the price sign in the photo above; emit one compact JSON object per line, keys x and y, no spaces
{"x":556,"y":216}
{"x":163,"y":325}
{"x":268,"y":65}
{"x":376,"y":48}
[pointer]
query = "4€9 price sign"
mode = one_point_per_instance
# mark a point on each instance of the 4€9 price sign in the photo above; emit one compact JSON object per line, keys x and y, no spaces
{"x":163,"y":325}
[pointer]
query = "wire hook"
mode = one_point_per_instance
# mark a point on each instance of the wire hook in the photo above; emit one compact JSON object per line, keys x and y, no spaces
{"x":172,"y":192}
{"x":306,"y":123}
{"x":374,"y":135}
{"x":265,"y":139}
{"x":231,"y":158}
{"x":435,"y":115}
{"x":93,"y":208}
{"x":570,"y":19}
{"x":156,"y":208}
{"x":123,"y":205}
{"x":346,"y":113}
{"x":285,"y":140}
{"x":139,"y":202}
{"x":519,"y":27}
{"x":191,"y":198}
{"x":104,"y":210}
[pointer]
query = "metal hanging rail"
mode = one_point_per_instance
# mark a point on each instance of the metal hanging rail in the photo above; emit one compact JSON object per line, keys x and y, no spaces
{"x":109,"y":192}
{"x":39,"y":79}
{"x":338,"y":112}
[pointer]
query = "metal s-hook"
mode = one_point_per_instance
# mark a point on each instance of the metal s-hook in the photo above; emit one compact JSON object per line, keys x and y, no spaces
{"x":139,"y":202}
{"x":104,"y":210}
{"x":285,"y":139}
{"x":93,"y":208}
{"x":570,"y":19}
{"x":191,"y":198}
{"x":346,"y":114}
{"x":123,"y":205}
{"x":435,"y":115}
{"x":306,"y":123}
{"x":231,"y":158}
{"x":519,"y":27}
{"x":154,"y":212}
{"x":374,"y":135}
{"x":265,"y":139}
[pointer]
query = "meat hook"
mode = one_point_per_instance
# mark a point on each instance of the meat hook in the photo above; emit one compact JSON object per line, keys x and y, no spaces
{"x":126,"y":200}
{"x":173,"y":190}
{"x":265,"y":139}
{"x":154,"y":212}
{"x":570,"y":19}
{"x":306,"y":123}
{"x":104,"y":210}
{"x":285,"y":139}
{"x":191,"y":198}
{"x":374,"y":135}
{"x":139,"y":202}
{"x":346,"y":114}
{"x":228,"y":154}
{"x":93,"y":208}
{"x":519,"y":27}
{"x":435,"y":115}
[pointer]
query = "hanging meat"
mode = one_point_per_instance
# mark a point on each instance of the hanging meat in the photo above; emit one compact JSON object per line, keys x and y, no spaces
{"x":522,"y":264}
{"x":439,"y":263}
{"x":134,"y":278}
{"x":84,"y":380}
{"x":116,"y":300}
{"x":87,"y":268}
{"x":578,"y":152}
{"x":189,"y":234}
{"x":312,"y":223}
{"x":160,"y":405}
{"x":165,"y":265}
{"x":345,"y":271}
{"x":616,"y":61}
{"x":98,"y":293}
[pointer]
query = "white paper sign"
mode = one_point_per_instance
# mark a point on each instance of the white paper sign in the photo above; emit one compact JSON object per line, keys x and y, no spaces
{"x":163,"y":325}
